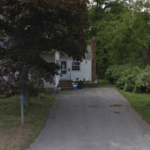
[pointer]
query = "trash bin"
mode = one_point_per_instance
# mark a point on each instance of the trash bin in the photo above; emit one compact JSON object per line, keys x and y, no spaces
{"x":75,"y":87}
{"x":80,"y":84}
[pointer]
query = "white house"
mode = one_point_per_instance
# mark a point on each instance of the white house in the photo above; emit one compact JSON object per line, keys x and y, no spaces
{"x":71,"y":70}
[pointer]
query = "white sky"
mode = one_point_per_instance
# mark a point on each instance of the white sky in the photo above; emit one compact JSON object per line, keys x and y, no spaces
{"x":93,"y":3}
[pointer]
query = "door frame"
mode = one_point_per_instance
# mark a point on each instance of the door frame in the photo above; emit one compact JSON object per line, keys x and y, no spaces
{"x":64,"y":76}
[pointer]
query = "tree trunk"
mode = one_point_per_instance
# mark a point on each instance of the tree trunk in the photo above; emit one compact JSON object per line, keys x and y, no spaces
{"x":25,"y":84}
{"x":148,"y":62}
{"x":27,"y":97}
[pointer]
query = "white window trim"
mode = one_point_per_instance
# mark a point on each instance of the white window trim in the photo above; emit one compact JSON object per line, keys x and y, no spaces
{"x":76,"y":65}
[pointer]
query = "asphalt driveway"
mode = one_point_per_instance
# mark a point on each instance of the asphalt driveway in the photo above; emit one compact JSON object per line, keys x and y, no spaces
{"x":83,"y":120}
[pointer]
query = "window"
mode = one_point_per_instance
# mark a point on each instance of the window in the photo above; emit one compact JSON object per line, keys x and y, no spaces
{"x":75,"y":65}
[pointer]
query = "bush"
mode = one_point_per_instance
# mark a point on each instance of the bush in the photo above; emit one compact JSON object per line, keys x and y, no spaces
{"x":42,"y":95}
{"x":34,"y":90}
{"x":143,"y":81}
{"x":101,"y":74}
{"x":129,"y":78}
{"x":115,"y":72}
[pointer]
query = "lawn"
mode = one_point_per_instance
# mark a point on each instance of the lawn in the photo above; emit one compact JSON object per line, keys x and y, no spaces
{"x":104,"y":83}
{"x":139,"y":101}
{"x":13,"y":134}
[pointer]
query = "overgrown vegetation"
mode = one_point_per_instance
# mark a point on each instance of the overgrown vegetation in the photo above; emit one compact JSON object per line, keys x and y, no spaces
{"x":129,"y":78}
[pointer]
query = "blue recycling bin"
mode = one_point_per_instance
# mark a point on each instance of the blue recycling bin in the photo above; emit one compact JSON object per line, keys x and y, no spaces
{"x":75,"y":87}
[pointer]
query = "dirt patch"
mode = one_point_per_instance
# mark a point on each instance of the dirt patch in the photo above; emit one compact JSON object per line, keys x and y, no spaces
{"x":14,"y":137}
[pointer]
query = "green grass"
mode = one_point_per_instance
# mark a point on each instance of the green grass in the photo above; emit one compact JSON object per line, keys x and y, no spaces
{"x":34,"y":116}
{"x":140,"y":102}
{"x":94,"y":106}
{"x":117,"y":112}
{"x":88,"y":82}
{"x":104,"y":83}
{"x":115,"y":105}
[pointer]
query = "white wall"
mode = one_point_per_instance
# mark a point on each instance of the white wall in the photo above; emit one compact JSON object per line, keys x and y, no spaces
{"x":56,"y":76}
{"x":48,"y":85}
{"x":84,"y":72}
{"x":50,"y":58}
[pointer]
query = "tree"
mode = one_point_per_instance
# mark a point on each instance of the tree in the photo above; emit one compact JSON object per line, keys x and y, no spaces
{"x":128,"y":36}
{"x":100,"y":17}
{"x":41,"y":25}
{"x":123,"y":33}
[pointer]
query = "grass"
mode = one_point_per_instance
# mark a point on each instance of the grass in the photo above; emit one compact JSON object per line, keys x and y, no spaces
{"x":104,"y":83}
{"x":94,"y":106}
{"x":88,"y":82}
{"x":117,"y":112}
{"x":34,"y":116}
{"x":139,"y":101}
{"x":115,"y":105}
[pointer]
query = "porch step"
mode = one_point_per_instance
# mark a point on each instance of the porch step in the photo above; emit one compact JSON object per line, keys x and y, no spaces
{"x":65,"y":85}
{"x":65,"y":81}
{"x":66,"y":88}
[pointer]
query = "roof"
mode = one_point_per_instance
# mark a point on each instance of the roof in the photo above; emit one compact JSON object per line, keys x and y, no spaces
{"x":48,"y":57}
{"x":88,"y":55}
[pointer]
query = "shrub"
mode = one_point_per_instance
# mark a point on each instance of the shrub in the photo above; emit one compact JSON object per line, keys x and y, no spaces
{"x":115,"y":72}
{"x":42,"y":95}
{"x":129,"y":78}
{"x":143,"y":81}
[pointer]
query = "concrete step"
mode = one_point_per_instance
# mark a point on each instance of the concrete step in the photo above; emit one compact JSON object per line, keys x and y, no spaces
{"x":64,"y":85}
{"x":65,"y":82}
{"x":66,"y":88}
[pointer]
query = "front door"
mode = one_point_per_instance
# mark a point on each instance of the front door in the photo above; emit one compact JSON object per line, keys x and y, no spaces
{"x":63,"y":70}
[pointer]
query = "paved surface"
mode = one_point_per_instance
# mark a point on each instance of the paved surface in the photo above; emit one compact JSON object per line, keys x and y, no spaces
{"x":83,"y":120}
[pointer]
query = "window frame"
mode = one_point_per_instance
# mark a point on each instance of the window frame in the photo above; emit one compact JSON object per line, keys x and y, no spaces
{"x":74,"y":65}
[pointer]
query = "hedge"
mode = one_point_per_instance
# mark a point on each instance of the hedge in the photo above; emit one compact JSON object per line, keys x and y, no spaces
{"x":129,"y":78}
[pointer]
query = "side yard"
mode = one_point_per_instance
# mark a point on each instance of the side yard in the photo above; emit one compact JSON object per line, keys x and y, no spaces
{"x":13,"y":134}
{"x":139,"y":101}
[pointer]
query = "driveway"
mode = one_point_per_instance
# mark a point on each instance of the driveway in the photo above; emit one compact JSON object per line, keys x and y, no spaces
{"x":83,"y":120}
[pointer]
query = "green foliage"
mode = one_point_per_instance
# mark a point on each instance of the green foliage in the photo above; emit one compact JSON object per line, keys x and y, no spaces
{"x":122,"y":32}
{"x":41,"y":26}
{"x":141,"y":102}
{"x":129,"y":78}
{"x":42,"y":95}
{"x":114,"y":73}
{"x":50,"y":98}
{"x":101,"y":74}
{"x":47,"y":91}
{"x":143,"y":80}
{"x":33,"y":90}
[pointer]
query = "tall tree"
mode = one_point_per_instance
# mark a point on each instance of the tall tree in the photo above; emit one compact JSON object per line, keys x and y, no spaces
{"x":41,"y":25}
{"x":128,"y":36}
{"x":101,"y":16}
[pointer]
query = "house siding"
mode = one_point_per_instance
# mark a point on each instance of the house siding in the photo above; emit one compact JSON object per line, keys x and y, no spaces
{"x":50,"y":58}
{"x":84,"y":72}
